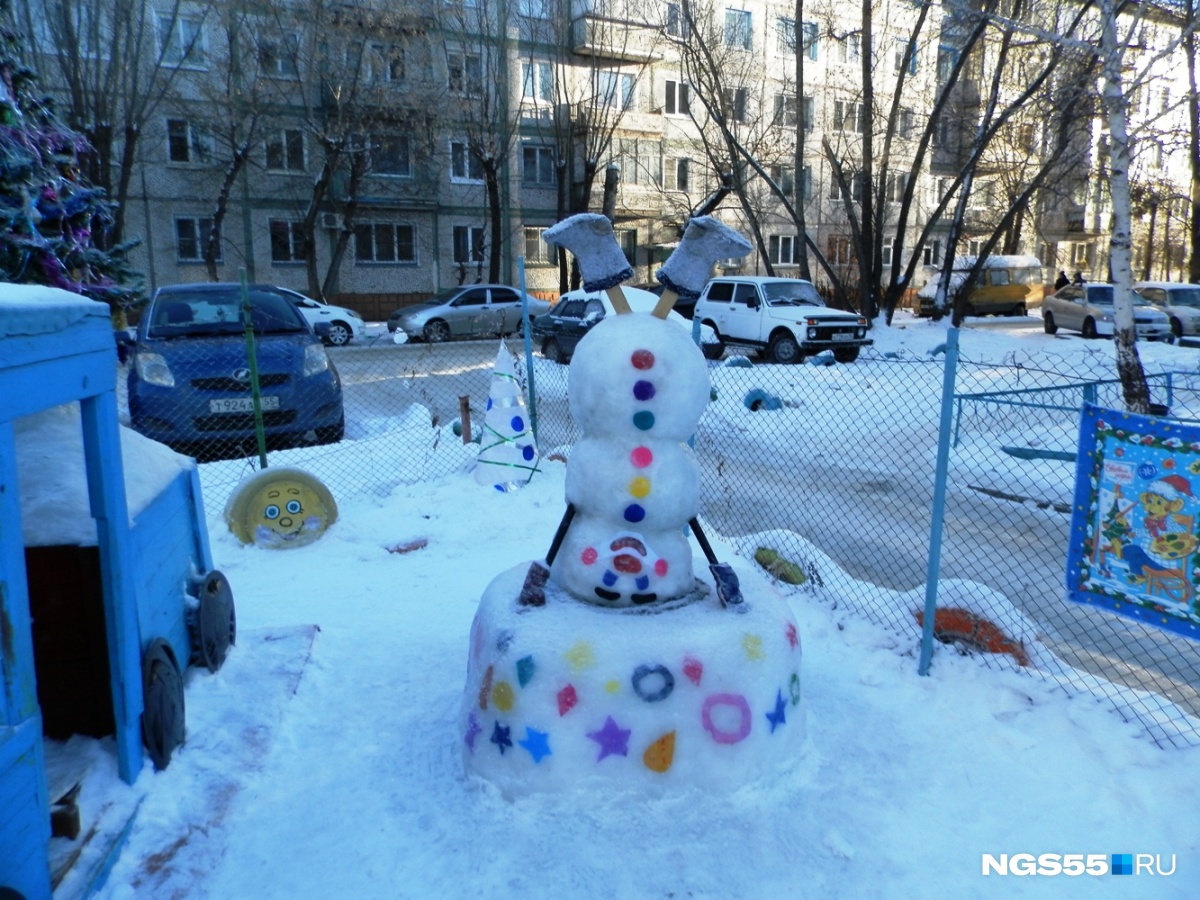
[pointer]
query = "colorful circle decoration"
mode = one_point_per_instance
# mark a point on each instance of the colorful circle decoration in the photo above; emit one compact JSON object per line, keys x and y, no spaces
{"x":280,"y":508}
{"x":734,"y":701}
{"x":794,"y":688}
{"x":641,"y":457}
{"x":644,"y":420}
{"x":663,"y":691}
{"x":642,"y":360}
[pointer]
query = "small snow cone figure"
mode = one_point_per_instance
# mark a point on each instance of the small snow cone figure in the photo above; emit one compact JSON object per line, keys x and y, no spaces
{"x":507,"y":455}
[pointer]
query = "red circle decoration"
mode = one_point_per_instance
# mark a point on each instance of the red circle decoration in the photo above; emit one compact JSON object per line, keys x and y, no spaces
{"x":641,"y":457}
{"x":642,"y":359}
{"x":589,"y":556}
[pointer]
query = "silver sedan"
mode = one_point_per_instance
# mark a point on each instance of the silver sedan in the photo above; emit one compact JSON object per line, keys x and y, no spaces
{"x":475,"y":310}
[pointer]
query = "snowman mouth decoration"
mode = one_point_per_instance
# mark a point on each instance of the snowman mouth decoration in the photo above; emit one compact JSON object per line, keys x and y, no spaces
{"x":626,"y":560}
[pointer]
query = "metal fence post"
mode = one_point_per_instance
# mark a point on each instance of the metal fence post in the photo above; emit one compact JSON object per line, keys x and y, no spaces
{"x":252,"y":356}
{"x":939,"y":498}
{"x":533,"y":422}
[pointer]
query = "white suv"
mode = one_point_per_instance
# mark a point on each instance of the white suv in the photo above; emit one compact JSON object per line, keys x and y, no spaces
{"x":783,"y":317}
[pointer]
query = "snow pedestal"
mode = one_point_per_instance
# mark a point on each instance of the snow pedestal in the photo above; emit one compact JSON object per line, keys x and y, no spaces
{"x":681,"y":694}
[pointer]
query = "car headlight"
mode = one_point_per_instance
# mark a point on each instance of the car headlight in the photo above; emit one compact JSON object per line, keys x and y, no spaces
{"x":1106,"y":317}
{"x":355,"y":313}
{"x":153,"y":369}
{"x":812,"y":333}
{"x":315,"y":360}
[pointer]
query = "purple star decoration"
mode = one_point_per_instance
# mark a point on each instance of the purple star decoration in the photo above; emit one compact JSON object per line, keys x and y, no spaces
{"x":613,"y":740}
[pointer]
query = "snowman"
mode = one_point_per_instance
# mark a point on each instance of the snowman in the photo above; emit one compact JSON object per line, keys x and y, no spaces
{"x":638,"y":386}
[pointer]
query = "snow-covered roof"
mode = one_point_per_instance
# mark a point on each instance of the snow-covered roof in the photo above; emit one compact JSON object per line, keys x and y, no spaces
{"x":963,"y":264}
{"x":29,"y":309}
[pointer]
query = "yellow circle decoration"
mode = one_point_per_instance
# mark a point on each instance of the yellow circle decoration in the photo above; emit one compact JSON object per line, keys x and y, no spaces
{"x":639,"y":487}
{"x":280,"y":508}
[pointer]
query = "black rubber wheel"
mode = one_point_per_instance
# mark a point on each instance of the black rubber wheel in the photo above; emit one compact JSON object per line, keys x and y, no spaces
{"x":552,"y":350}
{"x":1089,"y":328}
{"x":1176,"y":328}
{"x":713,"y":351}
{"x":331,"y":434}
{"x":1048,"y":323}
{"x":784,"y":348}
{"x":162,"y":703}
{"x":436,"y":331}
{"x":1020,"y":310}
{"x":214,"y":623}
{"x":339,"y":334}
{"x":845,"y":354}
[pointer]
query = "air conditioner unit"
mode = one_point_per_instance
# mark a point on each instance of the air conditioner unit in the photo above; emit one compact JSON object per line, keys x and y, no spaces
{"x":331,"y":220}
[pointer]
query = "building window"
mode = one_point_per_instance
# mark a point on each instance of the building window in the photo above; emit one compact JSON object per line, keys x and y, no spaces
{"x":677,"y":22}
{"x":806,"y":111}
{"x":385,"y":242}
{"x":627,"y":240}
{"x":677,"y":100}
{"x":678,"y":174}
{"x":905,"y":125}
{"x":806,"y":191}
{"x":640,"y":161}
{"x":784,"y":178}
{"x":886,"y":249}
{"x":383,"y":63}
{"x":181,"y":40}
{"x":388,"y":155}
{"x":809,"y":32}
{"x":468,"y":244}
{"x":537,"y":251}
{"x":931,"y":253}
{"x":538,"y":82}
{"x":737,"y":28}
{"x":466,"y":73}
{"x":782,"y":249}
{"x":903,"y":46}
{"x":853,"y":179}
{"x":287,"y":241}
{"x":285,"y":150}
{"x":736,"y":104}
{"x":785,"y":110}
{"x":614,"y":89}
{"x":464,"y":165}
{"x":185,"y":143}
{"x":838,"y":251}
{"x":849,"y":116}
{"x":537,"y":166}
{"x":896,"y":185}
{"x":191,"y":237}
{"x":947,"y":60}
{"x":279,"y":58}
{"x":534,"y":9}
{"x":785,"y":32}
{"x":850,"y":48}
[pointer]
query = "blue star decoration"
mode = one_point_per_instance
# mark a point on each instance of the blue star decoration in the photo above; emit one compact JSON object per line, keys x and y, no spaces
{"x":536,"y":743}
{"x":500,"y":737}
{"x":613,"y":740}
{"x":778,"y":717}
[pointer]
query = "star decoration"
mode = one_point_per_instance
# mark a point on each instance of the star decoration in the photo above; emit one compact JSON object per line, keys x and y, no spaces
{"x":473,"y":731}
{"x":536,"y":743}
{"x":580,"y":656}
{"x":779,"y":715}
{"x":613,"y":740}
{"x":500,"y":737}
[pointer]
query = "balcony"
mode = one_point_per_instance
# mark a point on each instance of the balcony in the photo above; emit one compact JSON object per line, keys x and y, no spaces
{"x":616,"y":39}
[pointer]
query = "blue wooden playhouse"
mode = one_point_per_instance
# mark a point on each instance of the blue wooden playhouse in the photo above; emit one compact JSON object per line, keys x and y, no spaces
{"x":92,"y":639}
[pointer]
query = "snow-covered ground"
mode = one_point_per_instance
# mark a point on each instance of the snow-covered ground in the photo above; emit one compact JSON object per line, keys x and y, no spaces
{"x":327,"y":763}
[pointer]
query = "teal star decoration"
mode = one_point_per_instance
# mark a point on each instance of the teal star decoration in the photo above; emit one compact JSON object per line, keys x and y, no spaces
{"x":500,"y":737}
{"x":525,"y":669}
{"x":613,"y":740}
{"x":537,"y":743}
{"x":779,"y":715}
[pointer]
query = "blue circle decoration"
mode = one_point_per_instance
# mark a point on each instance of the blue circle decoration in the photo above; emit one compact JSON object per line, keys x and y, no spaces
{"x":641,"y":673}
{"x":643,"y":390}
{"x":643,"y":420}
{"x":518,"y":424}
{"x":527,"y":452}
{"x":634,"y":513}
{"x":1147,"y":470}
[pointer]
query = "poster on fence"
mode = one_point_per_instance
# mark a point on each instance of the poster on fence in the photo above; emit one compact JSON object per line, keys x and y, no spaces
{"x":1135,"y":524}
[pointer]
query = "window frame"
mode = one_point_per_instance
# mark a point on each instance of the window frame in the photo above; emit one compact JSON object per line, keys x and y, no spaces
{"x":546,"y":254}
{"x":199,"y":237}
{"x":461,"y":151}
{"x":294,"y":238}
{"x":544,"y":158}
{"x":288,"y":140}
{"x":196,"y":55}
{"x":396,"y":243}
{"x":473,"y":240}
{"x":739,"y":29}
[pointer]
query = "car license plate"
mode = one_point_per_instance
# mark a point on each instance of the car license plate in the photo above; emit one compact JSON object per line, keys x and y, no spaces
{"x":241,"y":404}
{"x":843,"y":337}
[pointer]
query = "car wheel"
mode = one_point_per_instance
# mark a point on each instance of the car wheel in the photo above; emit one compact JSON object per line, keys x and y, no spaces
{"x":1020,"y":310}
{"x":716,"y":349}
{"x":1048,"y":323}
{"x":339,"y":334}
{"x":784,"y":348}
{"x":436,"y":331}
{"x":553,"y":350}
{"x":845,"y":354}
{"x":1089,"y":328}
{"x":1176,"y":328}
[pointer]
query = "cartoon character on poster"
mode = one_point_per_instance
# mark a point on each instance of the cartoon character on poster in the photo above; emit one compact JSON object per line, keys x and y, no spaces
{"x":1134,"y":532}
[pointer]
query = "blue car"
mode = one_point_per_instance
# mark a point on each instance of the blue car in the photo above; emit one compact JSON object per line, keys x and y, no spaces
{"x":189,"y":376}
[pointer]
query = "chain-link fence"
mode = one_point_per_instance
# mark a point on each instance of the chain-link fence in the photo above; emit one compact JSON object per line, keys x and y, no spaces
{"x":830,"y":467}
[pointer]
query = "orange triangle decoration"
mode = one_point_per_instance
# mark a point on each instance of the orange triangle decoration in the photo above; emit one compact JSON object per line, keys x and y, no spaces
{"x":659,"y":755}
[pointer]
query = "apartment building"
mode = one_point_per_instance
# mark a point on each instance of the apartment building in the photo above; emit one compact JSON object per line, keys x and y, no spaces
{"x":381,"y":152}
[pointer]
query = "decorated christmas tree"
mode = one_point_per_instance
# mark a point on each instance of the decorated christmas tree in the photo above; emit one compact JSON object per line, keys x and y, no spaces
{"x":51,"y":220}
{"x":507,"y":452}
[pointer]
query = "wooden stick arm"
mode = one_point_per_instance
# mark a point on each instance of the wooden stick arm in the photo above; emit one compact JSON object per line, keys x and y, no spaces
{"x":617,"y":297}
{"x":665,"y":303}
